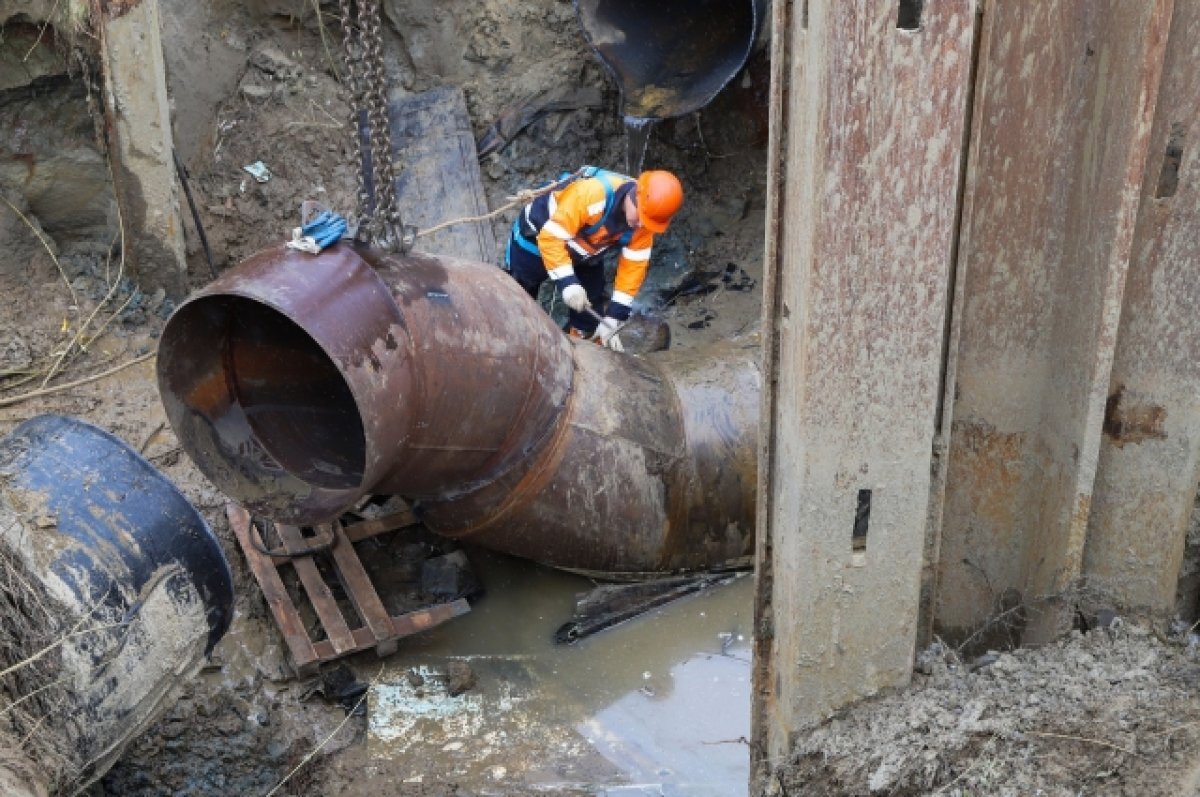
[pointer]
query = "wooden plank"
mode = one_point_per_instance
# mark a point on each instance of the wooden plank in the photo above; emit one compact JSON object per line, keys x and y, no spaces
{"x":362,"y":592}
{"x":405,"y":625}
{"x":357,"y":532}
{"x":438,"y":179}
{"x":362,"y":638}
{"x":340,"y":638}
{"x":285,"y":554}
{"x":423,"y":620}
{"x":304,"y":656}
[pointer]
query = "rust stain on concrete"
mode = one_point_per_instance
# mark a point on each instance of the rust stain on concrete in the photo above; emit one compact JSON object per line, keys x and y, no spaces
{"x":1126,"y":422}
{"x":994,"y":462}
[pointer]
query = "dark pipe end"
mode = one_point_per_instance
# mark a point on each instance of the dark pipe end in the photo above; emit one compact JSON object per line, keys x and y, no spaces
{"x":670,"y":58}
{"x":129,"y":521}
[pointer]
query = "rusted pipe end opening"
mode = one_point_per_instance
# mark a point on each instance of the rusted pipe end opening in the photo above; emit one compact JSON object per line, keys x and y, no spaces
{"x":255,"y":400}
{"x":298,"y":384}
{"x":670,"y":58}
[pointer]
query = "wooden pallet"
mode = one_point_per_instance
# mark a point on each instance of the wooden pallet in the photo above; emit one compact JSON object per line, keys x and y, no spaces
{"x":381,"y":630}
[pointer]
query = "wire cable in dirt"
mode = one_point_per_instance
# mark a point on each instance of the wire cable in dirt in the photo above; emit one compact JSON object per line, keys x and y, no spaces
{"x":182,"y":171}
{"x":312,"y":754}
{"x":4,"y":402}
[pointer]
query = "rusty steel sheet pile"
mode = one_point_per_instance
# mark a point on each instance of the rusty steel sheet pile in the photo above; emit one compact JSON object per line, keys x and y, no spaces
{"x":299,"y":384}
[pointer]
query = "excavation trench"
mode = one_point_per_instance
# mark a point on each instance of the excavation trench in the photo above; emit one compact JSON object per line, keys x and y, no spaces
{"x":299,"y":384}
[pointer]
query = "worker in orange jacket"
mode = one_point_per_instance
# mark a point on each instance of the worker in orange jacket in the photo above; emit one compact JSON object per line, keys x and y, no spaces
{"x":564,"y":235}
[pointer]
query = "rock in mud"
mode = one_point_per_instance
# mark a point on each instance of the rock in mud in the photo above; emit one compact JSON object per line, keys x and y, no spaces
{"x":447,"y":578}
{"x":645,"y":333}
{"x":460,"y":678}
{"x":341,"y":685}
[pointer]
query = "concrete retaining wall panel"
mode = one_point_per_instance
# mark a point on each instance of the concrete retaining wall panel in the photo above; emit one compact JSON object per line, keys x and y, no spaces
{"x":864,"y":182}
{"x":1148,"y":467}
{"x":1064,"y":107}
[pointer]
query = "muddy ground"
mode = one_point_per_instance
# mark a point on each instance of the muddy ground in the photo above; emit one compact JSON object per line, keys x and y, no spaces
{"x":1114,"y":712}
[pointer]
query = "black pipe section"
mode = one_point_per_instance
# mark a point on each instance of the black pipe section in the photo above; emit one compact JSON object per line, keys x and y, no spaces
{"x":671,"y":58}
{"x":115,"y":588}
{"x":118,"y":522}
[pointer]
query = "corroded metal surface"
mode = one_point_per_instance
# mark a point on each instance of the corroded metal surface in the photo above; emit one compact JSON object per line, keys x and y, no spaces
{"x":298,"y":384}
{"x":655,"y":457}
{"x":1064,"y":103}
{"x":670,"y":58}
{"x":1149,"y":454}
{"x":863,"y":222}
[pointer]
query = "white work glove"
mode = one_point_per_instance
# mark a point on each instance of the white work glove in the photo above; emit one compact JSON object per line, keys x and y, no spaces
{"x":575,"y":297}
{"x":606,"y":333}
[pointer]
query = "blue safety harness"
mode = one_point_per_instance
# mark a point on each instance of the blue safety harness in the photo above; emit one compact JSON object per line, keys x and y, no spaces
{"x":606,"y":179}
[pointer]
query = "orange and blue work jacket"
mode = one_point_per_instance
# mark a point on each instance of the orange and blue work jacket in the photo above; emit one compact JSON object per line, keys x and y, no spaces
{"x":578,"y":224}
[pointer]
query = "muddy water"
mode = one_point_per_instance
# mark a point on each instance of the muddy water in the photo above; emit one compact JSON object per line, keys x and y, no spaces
{"x":658,"y":705}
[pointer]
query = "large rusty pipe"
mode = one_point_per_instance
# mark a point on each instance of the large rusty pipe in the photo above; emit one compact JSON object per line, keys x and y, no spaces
{"x":298,"y":384}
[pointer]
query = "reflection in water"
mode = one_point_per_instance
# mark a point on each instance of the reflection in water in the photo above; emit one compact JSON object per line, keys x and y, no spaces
{"x":690,"y":741}
{"x":663,"y":699}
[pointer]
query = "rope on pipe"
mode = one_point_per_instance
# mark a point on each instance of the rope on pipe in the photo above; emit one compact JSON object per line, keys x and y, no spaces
{"x":520,"y":198}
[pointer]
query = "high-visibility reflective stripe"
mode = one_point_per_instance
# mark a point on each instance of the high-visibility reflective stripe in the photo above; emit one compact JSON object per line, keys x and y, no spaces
{"x":552,"y":205}
{"x":635,"y":254}
{"x":580,"y":249}
{"x":596,"y":208}
{"x":560,"y":272}
{"x":557,"y":230}
{"x":622,"y":298}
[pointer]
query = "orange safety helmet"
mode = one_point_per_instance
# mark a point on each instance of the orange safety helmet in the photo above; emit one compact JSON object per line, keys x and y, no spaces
{"x":659,"y":195}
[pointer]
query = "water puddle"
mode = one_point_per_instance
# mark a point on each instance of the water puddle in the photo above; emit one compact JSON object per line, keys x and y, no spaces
{"x":659,"y":705}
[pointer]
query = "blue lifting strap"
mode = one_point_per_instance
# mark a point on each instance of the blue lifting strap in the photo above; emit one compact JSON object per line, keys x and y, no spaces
{"x":606,"y":179}
{"x":522,"y":241}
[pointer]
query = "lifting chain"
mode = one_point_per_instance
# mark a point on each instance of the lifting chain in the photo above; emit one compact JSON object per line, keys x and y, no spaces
{"x":362,"y":41}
